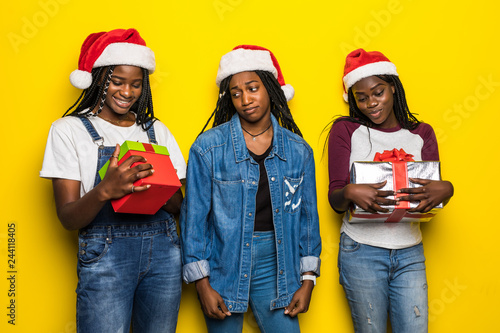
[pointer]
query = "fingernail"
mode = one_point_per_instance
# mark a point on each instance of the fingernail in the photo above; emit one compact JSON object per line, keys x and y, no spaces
{"x":152,"y":170}
{"x":148,"y":186}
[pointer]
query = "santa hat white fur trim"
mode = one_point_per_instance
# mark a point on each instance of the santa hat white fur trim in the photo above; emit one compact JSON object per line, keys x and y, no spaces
{"x":117,"y":54}
{"x":127,"y":54}
{"x":375,"y":68}
{"x":244,"y":60}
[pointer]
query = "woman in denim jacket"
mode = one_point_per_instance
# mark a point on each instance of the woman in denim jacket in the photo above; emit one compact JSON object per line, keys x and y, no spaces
{"x":249,"y":223}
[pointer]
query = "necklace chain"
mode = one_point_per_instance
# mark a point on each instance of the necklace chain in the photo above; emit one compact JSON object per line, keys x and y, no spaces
{"x":256,"y":135}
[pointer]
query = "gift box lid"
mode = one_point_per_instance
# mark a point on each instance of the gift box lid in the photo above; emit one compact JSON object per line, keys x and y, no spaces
{"x":135,"y":146}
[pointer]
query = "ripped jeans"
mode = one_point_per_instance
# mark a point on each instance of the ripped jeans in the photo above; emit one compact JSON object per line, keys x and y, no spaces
{"x":379,"y":282}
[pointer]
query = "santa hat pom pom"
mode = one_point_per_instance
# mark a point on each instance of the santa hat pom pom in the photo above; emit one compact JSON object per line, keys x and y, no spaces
{"x":289,"y":92}
{"x":80,"y":79}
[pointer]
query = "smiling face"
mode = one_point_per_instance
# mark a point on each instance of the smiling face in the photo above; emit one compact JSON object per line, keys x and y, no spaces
{"x":124,"y":90}
{"x":375,"y":99}
{"x":250,"y":99}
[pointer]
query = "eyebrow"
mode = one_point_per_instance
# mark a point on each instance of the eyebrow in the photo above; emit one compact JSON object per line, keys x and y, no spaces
{"x":372,"y":88}
{"x":246,"y":83}
{"x":122,"y":78}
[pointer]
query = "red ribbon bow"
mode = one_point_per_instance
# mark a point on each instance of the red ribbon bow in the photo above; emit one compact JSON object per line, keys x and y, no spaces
{"x":393,"y":156}
{"x":399,"y":177}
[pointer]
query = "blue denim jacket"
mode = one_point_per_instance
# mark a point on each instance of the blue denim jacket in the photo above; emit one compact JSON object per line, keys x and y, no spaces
{"x":217,"y":217}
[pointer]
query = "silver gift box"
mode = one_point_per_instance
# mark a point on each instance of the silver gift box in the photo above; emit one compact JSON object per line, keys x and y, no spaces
{"x":376,"y":172}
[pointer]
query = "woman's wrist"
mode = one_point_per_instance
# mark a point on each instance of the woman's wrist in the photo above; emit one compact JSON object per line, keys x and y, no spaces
{"x":308,"y":277}
{"x":339,"y":200}
{"x":101,"y":194}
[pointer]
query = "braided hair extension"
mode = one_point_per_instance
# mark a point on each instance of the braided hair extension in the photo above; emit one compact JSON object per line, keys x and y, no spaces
{"x":104,"y":92}
{"x":225,"y":109}
{"x":279,"y":104}
{"x":89,"y":98}
{"x":144,"y":106}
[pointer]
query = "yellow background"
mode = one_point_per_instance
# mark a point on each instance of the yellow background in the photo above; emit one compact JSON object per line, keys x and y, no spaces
{"x":447,"y":56}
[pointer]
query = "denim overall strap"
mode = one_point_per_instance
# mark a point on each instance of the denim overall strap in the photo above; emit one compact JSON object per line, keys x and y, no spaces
{"x":92,"y":131}
{"x":107,"y":215}
{"x":151,"y":133}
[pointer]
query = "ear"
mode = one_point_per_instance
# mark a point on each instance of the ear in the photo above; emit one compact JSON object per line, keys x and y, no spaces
{"x":393,"y":89}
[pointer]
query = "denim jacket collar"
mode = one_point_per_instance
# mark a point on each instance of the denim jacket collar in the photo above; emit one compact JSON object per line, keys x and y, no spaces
{"x":240,"y":147}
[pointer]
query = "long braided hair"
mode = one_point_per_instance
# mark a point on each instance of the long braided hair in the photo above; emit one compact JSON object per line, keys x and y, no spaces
{"x":225,"y":109}
{"x":405,"y":118}
{"x":95,"y":95}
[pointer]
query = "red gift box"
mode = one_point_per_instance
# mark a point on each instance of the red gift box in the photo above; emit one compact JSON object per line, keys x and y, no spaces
{"x":164,"y":181}
{"x":396,"y":167}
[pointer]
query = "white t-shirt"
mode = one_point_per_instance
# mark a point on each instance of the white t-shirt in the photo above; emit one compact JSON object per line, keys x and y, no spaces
{"x":71,"y":154}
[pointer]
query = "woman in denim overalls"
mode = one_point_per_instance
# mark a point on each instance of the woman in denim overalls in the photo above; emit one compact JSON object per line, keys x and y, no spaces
{"x":249,"y":223}
{"x":129,"y":267}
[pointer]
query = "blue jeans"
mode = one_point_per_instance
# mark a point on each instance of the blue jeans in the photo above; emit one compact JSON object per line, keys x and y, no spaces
{"x":129,"y":274}
{"x":379,"y":281}
{"x":262,"y":290}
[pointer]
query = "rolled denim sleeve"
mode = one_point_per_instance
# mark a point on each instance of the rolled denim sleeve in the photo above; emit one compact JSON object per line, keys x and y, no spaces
{"x":195,"y":271}
{"x":310,"y":264}
{"x":194,"y":221}
{"x":310,"y":239}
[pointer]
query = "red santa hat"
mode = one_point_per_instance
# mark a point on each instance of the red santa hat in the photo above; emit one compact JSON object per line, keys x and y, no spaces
{"x":244,"y":58}
{"x":360,"y":64}
{"x":116,"y":47}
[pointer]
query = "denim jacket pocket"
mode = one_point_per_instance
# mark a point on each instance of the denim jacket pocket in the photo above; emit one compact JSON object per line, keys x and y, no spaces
{"x":292,"y":188}
{"x":92,"y":249}
{"x":227,"y":198}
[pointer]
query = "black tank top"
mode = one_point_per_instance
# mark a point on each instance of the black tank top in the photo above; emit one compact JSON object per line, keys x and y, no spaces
{"x":263,"y":207}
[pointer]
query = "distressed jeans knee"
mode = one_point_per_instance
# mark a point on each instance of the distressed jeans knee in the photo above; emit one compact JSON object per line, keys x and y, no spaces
{"x":383,"y":283}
